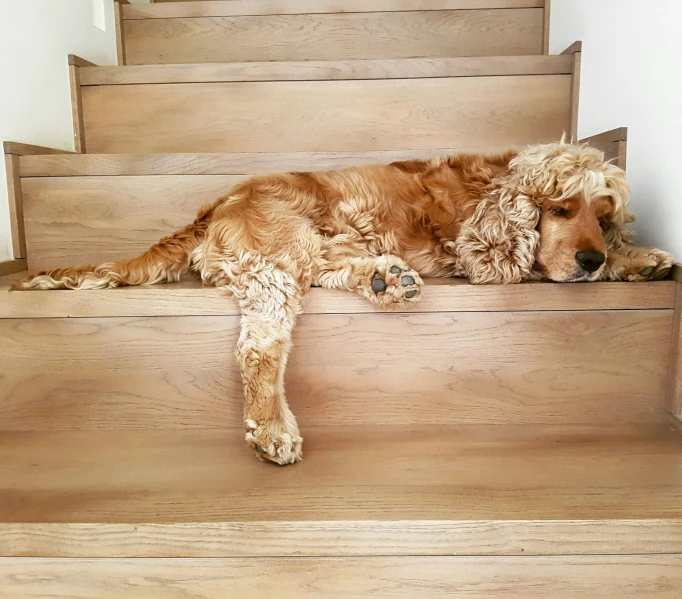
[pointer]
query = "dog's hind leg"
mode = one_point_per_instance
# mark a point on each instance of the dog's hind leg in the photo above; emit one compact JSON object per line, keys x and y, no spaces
{"x":384,"y":280}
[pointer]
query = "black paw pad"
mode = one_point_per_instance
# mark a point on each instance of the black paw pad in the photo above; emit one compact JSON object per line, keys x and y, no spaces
{"x":396,"y":270}
{"x":378,"y":284}
{"x":410,"y":294}
{"x":259,"y":449}
{"x":646,"y":271}
{"x":407,"y":281}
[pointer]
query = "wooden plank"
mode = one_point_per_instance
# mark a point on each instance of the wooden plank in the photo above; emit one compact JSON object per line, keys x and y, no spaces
{"x":561,"y":577}
{"x":13,"y":147}
{"x":613,"y":143}
{"x":426,"y":490}
{"x":77,"y":108}
{"x":120,"y":39}
{"x":574,"y":50}
{"x":338,"y":36}
{"x":190,"y":298}
{"x":9,"y":267}
{"x":332,"y":539}
{"x":454,"y":368}
{"x":315,"y":116}
{"x":240,"y":163}
{"x":16,"y":206}
{"x":402,"y":68}
{"x":96,"y":219}
{"x":291,"y":7}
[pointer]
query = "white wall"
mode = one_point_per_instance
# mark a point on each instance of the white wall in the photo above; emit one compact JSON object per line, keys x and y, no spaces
{"x":632,"y":76}
{"x":35,"y":103}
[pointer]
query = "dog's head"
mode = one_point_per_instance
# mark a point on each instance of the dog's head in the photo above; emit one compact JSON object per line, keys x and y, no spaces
{"x":582,"y":202}
{"x":558,"y":210}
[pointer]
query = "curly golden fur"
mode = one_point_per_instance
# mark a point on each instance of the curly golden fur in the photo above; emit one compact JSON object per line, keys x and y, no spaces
{"x":553,"y":211}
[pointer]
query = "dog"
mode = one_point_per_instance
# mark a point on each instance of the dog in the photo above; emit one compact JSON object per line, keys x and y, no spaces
{"x":555,"y":211}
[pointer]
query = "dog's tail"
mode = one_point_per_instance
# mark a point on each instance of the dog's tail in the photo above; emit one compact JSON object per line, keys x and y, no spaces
{"x":164,"y":262}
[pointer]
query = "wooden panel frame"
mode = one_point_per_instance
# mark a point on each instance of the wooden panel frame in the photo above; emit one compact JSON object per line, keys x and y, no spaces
{"x":575,"y":50}
{"x":558,"y":577}
{"x":613,"y":143}
{"x":120,"y":38}
{"x":75,"y":65}
{"x":546,"y":29}
{"x":10,"y":267}
{"x":675,"y":372}
{"x":297,"y":7}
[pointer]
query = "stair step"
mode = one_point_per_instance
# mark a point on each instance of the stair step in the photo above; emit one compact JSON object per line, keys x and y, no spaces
{"x":430,"y":490}
{"x":404,"y":105}
{"x":560,"y":577}
{"x":162,"y":357}
{"x":256,"y":30}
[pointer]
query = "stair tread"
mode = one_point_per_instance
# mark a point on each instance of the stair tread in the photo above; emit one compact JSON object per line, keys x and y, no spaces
{"x":348,"y":474}
{"x":191,"y":297}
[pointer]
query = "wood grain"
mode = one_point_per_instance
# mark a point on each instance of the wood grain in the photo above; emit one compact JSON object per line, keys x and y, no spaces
{"x":191,"y":298}
{"x":96,"y":219}
{"x":323,"y":116}
{"x":239,"y":163}
{"x":473,"y":475}
{"x":335,"y":36}
{"x":675,"y":370}
{"x":16,"y":206}
{"x":325,"y":70}
{"x":453,"y":368}
{"x":613,"y":143}
{"x":575,"y":94}
{"x":332,"y":539}
{"x":596,"y":577}
{"x":546,"y":26}
{"x":272,"y":7}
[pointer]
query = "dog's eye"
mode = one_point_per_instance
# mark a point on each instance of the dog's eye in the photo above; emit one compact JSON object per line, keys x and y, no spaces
{"x":558,"y":211}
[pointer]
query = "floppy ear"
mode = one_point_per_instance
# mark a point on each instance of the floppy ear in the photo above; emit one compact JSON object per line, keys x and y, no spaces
{"x":497,"y":245}
{"x":614,"y":228}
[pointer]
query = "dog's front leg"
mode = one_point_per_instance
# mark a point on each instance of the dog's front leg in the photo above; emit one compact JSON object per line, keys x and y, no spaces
{"x":269,"y":302}
{"x":632,"y":263}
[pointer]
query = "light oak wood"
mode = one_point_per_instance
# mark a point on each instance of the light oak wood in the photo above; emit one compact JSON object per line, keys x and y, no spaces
{"x":239,"y":163}
{"x":9,"y":267}
{"x":77,"y":108}
{"x":562,"y":577}
{"x":315,"y":116}
{"x":96,"y":219}
{"x":191,"y":298}
{"x":324,"y":70}
{"x":16,"y":206}
{"x":613,"y":143}
{"x":120,"y":39}
{"x":334,"y":36}
{"x":575,"y":95}
{"x":13,"y":147}
{"x":422,"y":491}
{"x":452,"y":368}
{"x":272,"y":7}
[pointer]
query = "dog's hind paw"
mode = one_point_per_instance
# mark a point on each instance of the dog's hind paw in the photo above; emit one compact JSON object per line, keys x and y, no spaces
{"x":642,"y":264}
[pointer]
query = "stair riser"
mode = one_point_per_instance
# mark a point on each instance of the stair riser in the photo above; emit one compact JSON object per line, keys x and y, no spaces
{"x":600,"y":577}
{"x":496,"y":32}
{"x":597,"y":367}
{"x":320,"y":116}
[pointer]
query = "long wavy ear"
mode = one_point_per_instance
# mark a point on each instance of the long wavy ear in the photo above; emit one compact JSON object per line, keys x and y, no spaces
{"x":497,"y":245}
{"x":614,"y":228}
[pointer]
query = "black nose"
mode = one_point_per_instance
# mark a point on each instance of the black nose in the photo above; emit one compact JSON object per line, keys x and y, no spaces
{"x":590,"y":260}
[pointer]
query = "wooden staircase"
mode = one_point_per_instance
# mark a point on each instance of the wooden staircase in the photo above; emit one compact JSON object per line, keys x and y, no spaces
{"x":502,"y":441}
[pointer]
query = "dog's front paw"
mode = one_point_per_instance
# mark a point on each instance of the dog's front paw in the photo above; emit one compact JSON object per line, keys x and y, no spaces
{"x":393,"y":282}
{"x":275,"y":441}
{"x":644,"y":264}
